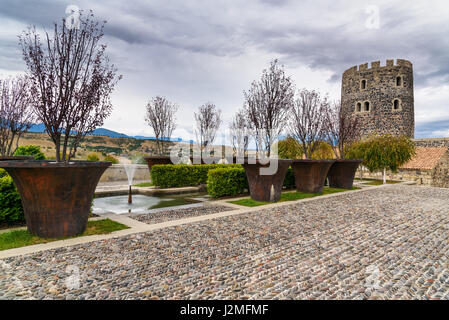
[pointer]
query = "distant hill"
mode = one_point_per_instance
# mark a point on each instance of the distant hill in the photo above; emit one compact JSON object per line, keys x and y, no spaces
{"x":40,"y":128}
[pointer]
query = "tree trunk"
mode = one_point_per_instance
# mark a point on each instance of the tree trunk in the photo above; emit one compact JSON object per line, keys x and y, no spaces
{"x":384,"y":176}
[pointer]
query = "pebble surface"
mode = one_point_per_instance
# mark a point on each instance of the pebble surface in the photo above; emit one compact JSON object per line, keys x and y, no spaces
{"x":385,"y":243}
{"x":175,"y":214}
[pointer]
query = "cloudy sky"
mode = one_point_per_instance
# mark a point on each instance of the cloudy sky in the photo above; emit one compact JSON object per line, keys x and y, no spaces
{"x":210,"y":50}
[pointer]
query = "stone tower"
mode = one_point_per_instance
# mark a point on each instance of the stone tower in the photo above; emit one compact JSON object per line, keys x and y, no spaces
{"x":381,"y":97}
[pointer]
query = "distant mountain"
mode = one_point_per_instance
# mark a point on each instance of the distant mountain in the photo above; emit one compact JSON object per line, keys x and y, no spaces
{"x":40,"y":128}
{"x":108,"y":133}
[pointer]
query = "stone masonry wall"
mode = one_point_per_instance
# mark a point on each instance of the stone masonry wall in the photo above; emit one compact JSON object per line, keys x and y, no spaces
{"x":440,"y":175}
{"x":116,"y":172}
{"x":380,"y":92}
{"x":422,"y":177}
{"x":432,"y":142}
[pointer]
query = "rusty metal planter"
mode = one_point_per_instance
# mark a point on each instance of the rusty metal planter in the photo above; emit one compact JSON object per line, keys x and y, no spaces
{"x":152,"y":160}
{"x":56,"y":197}
{"x":266,"y":187}
{"x":310,"y":175}
{"x":342,"y":173}
{"x":13,"y":158}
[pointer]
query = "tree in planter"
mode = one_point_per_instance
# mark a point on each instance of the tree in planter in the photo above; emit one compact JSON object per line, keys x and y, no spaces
{"x":307,"y":123}
{"x":239,"y":129}
{"x":380,"y":153}
{"x":207,"y":120}
{"x":267,"y":105}
{"x":341,"y":129}
{"x":161,"y":117}
{"x":16,"y":115}
{"x":71,"y":81}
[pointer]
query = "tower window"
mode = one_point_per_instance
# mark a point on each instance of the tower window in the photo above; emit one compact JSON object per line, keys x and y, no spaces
{"x":363,"y":85}
{"x":396,"y":104}
{"x":358,"y":107}
{"x":366,"y":106}
{"x":398,"y":81}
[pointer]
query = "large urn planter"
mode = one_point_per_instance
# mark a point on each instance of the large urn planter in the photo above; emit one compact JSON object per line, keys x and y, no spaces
{"x":266,"y":188}
{"x":56,"y":197}
{"x":310,"y":175}
{"x":152,"y":160}
{"x":342,"y":173}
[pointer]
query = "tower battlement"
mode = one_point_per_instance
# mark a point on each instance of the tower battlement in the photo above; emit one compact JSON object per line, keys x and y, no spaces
{"x":377,"y":65}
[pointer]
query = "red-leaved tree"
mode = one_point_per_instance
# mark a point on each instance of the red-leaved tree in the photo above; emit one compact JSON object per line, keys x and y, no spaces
{"x":71,"y":81}
{"x":16,"y":116}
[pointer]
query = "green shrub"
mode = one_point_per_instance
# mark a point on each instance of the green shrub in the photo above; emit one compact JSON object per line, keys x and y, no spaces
{"x":3,"y":173}
{"x":289,"y":181}
{"x":10,"y":204}
{"x":92,"y":157}
{"x":182,"y":175}
{"x":30,"y":150}
{"x":111,"y":158}
{"x":289,"y":148}
{"x":226,"y":182}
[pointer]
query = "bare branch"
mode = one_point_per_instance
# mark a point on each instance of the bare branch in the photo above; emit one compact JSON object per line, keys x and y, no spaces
{"x":308,"y":124}
{"x":71,"y":81}
{"x":208,"y":120}
{"x":161,"y":117}
{"x":267,"y":104}
{"x":341,"y":129}
{"x":16,"y":116}
{"x":240,"y":135}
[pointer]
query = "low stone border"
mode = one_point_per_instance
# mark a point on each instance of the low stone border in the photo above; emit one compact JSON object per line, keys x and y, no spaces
{"x":139,"y":227}
{"x":148,"y":191}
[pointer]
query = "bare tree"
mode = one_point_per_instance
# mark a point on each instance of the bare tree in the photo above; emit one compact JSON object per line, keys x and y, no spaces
{"x":161,"y":117}
{"x":267,"y":104}
{"x":71,"y":81}
{"x":308,"y":123}
{"x":239,"y":130}
{"x":341,"y":129}
{"x":208,"y":120}
{"x":16,"y":116}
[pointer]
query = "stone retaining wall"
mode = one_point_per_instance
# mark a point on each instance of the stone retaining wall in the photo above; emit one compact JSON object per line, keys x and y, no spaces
{"x":432,"y":142}
{"x":117,"y":172}
{"x":423,"y":177}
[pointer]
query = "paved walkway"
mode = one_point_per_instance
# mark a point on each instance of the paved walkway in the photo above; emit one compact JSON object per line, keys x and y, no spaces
{"x":383,"y":243}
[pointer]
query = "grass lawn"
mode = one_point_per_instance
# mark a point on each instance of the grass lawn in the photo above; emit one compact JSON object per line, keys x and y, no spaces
{"x":144,"y":184}
{"x":289,"y":196}
{"x":22,"y":238}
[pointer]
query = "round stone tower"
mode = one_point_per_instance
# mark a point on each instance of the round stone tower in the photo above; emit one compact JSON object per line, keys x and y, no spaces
{"x":380,"y":97}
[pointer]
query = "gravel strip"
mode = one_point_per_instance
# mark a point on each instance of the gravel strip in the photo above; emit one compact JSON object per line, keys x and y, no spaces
{"x":387,"y":243}
{"x":175,"y":214}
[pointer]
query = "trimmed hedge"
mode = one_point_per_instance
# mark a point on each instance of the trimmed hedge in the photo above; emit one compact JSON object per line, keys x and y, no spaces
{"x":11,"y":210}
{"x":226,"y":182}
{"x":289,"y":181}
{"x":232,"y":181}
{"x":182,"y":175}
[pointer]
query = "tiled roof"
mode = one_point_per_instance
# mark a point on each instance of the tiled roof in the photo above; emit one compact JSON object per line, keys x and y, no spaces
{"x":426,"y":158}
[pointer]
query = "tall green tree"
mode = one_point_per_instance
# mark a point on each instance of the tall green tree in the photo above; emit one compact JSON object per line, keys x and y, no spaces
{"x":289,"y":148}
{"x":383,"y":152}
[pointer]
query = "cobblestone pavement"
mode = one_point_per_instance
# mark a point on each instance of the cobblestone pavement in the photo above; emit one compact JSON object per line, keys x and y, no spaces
{"x":385,"y":243}
{"x":168,"y":215}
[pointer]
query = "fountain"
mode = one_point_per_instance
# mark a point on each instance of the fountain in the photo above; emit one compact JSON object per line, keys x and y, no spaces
{"x":130,"y":169}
